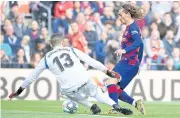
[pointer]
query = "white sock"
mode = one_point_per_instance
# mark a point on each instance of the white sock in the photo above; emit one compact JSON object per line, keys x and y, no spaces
{"x":103,"y":98}
{"x":85,"y":102}
{"x":134,"y":103}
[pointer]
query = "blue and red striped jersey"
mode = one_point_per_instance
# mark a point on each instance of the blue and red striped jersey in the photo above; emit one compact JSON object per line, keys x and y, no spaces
{"x":132,"y":43}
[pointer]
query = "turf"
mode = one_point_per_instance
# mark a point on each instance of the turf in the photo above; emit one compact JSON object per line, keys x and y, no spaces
{"x":52,"y":109}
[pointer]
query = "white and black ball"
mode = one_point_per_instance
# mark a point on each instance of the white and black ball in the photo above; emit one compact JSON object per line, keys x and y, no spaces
{"x":70,"y":106}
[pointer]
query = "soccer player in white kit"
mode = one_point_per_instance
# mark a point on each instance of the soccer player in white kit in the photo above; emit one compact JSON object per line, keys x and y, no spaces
{"x":74,"y":80}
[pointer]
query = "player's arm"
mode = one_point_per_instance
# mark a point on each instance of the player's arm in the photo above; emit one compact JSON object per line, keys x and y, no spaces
{"x":30,"y":79}
{"x":137,"y":40}
{"x":96,"y":64}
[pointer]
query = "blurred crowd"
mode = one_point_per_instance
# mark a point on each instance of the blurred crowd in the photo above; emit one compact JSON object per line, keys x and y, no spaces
{"x":92,"y":27}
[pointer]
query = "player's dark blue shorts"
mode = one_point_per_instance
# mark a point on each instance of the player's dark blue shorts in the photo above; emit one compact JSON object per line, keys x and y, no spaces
{"x":127,"y":72}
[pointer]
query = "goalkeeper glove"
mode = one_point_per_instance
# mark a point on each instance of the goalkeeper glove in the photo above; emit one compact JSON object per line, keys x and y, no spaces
{"x":113,"y":74}
{"x":18,"y":92}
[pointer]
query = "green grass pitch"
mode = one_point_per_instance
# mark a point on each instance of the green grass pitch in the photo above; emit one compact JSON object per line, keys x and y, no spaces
{"x":52,"y":109}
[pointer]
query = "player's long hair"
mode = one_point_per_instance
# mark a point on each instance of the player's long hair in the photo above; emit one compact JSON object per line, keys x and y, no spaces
{"x":134,"y":11}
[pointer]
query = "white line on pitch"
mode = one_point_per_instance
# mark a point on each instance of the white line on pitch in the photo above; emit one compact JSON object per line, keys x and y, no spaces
{"x":103,"y":116}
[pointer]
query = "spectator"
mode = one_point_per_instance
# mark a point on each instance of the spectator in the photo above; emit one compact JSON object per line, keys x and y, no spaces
{"x":78,"y":40}
{"x":26,"y":46}
{"x":34,"y":33}
{"x":167,"y":25}
{"x":68,"y":20}
{"x":153,"y":26}
{"x":60,"y":15}
{"x":63,"y":24}
{"x":169,"y":43}
{"x":40,"y":14}
{"x":145,"y":33}
{"x":149,"y":15}
{"x":153,"y":46}
{"x":13,"y":13}
{"x":110,"y":31}
{"x":3,"y":18}
{"x":100,"y":48}
{"x":35,"y":60}
{"x":81,"y":21}
{"x":34,"y":7}
{"x":101,"y":6}
{"x":88,"y":13}
{"x":107,"y":16}
{"x":110,"y":4}
{"x":66,"y":42}
{"x":61,"y":7}
{"x":77,"y":8}
{"x":11,"y":39}
{"x":4,"y":46}
{"x":91,"y":36}
{"x":44,"y":34}
{"x":41,"y":47}
{"x":157,"y":18}
{"x":99,"y":27}
{"x":45,"y":37}
{"x":176,"y":58}
{"x":111,"y":47}
{"x":169,"y":64}
{"x":85,"y":4}
{"x":20,"y":60}
{"x":7,"y":23}
{"x":161,"y":59}
{"x":2,"y":22}
{"x":19,"y":27}
{"x":94,"y":6}
{"x":175,"y":11}
{"x":177,"y":38}
{"x":117,"y":25}
{"x":4,"y":59}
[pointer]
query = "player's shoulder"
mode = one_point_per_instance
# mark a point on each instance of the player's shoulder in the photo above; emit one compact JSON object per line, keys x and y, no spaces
{"x":56,"y":50}
{"x":134,"y":28}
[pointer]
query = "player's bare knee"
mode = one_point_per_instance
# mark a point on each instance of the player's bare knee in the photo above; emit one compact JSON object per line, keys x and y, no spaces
{"x":118,"y":87}
{"x":112,"y":81}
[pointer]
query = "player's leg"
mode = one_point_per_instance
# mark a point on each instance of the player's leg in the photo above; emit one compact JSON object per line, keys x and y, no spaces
{"x":126,"y":79}
{"x":127,"y":73}
{"x":112,"y":83}
{"x":112,"y":89}
{"x":123,"y":69}
{"x":101,"y":97}
{"x":80,"y":99}
{"x":138,"y":104}
{"x":123,"y":96}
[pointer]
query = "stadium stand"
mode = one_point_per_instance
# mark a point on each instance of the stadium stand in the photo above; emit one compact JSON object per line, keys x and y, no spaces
{"x":92,"y":27}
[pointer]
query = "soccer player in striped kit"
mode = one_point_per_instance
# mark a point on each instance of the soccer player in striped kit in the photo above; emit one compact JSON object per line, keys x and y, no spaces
{"x":131,"y":54}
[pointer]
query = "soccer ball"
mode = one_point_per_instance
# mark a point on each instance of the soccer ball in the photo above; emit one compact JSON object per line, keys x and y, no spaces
{"x":70,"y":106}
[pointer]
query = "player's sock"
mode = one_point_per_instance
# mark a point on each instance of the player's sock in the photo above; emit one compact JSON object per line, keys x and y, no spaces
{"x":134,"y":103}
{"x":125,"y":97}
{"x":113,"y":92}
{"x":85,"y":102}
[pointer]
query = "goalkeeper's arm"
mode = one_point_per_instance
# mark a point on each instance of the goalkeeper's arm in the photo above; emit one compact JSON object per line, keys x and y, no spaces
{"x":96,"y":64}
{"x":31,"y":78}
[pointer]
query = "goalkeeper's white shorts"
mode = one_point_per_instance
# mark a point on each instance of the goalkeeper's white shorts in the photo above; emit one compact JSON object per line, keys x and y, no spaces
{"x":86,"y":90}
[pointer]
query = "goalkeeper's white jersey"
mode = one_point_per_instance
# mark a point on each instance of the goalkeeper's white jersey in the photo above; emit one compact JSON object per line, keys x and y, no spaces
{"x":65,"y":64}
